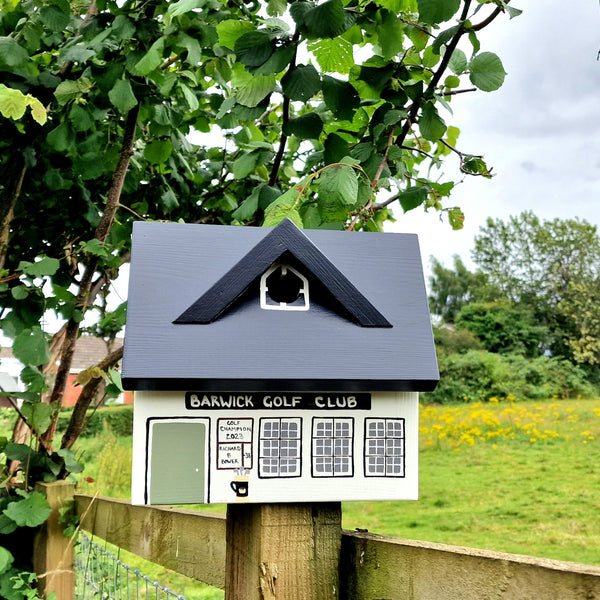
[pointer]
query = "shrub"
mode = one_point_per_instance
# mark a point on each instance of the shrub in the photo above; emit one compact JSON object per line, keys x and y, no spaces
{"x":477,"y":376}
{"x":449,"y":340}
{"x":118,"y":419}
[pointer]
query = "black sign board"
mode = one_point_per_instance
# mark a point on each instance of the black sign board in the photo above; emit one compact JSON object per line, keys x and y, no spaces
{"x":277,"y":400}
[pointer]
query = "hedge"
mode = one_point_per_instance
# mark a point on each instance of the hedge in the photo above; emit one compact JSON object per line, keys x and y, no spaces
{"x":119,"y":419}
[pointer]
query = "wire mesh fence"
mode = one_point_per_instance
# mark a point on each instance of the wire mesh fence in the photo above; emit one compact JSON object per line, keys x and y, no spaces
{"x":100,"y":575}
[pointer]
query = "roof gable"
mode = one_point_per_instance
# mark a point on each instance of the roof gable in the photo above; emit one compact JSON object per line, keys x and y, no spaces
{"x":286,"y":237}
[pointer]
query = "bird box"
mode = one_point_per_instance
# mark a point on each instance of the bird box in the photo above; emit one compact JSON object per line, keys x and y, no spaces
{"x":275,"y":365}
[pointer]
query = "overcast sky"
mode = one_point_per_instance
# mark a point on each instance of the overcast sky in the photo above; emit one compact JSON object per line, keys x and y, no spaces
{"x":540,"y":131}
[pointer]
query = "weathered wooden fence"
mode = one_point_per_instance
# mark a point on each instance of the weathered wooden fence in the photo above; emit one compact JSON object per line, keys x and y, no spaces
{"x":371,"y":567}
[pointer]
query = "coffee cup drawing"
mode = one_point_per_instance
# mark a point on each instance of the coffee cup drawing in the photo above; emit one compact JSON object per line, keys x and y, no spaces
{"x":240,"y":486}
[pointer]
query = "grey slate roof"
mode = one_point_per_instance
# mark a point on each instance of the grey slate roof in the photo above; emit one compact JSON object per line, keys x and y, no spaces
{"x":248,"y":348}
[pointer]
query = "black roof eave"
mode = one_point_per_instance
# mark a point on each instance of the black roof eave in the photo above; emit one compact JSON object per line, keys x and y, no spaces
{"x":280,"y":385}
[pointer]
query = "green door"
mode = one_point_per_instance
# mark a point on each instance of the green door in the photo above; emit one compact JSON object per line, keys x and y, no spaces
{"x":178,"y":462}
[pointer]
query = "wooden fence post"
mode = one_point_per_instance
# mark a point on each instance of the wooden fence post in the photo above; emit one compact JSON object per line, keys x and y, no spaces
{"x":53,"y":554}
{"x":283,"y":551}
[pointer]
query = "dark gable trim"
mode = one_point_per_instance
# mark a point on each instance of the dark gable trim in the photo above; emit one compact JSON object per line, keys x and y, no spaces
{"x":286,"y":237}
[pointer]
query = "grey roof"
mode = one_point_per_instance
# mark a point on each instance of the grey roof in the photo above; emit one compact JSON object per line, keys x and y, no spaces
{"x":244,"y":347}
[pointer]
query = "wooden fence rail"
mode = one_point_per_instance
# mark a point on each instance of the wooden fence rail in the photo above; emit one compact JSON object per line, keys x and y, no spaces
{"x":371,"y":567}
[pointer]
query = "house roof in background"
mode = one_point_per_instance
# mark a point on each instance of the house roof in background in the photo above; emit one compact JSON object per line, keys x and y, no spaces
{"x":89,"y":351}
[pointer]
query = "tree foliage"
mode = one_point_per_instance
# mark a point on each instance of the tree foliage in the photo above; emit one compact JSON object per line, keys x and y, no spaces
{"x":208,"y":111}
{"x":536,"y":261}
{"x":451,"y":289}
{"x":535,"y":290}
{"x":504,"y":327}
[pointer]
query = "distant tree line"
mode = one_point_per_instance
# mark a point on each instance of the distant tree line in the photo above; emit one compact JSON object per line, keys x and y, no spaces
{"x":533,"y":302}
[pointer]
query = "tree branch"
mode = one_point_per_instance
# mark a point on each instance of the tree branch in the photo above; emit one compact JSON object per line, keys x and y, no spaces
{"x":7,"y":208}
{"x":436,"y":76}
{"x":77,"y":421}
{"x":455,"y":92}
{"x":487,"y":21}
{"x":286,"y":117}
{"x":102,"y":231}
{"x":383,"y":163}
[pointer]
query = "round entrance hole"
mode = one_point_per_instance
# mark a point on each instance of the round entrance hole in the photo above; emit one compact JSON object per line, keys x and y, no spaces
{"x":283,"y":285}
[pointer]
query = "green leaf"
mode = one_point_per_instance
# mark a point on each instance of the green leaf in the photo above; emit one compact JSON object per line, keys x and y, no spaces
{"x":40,"y":268}
{"x":20,"y":292}
{"x":96,"y":247}
{"x":244,"y":165}
{"x":168,"y":200}
{"x":31,"y":348}
{"x":306,"y":127}
{"x":54,"y":18}
{"x":338,"y":183}
{"x":21,"y":452}
{"x":327,"y":20}
{"x":512,"y":11}
{"x":430,"y":57}
{"x":6,"y":560}
{"x":121,"y":96}
{"x":38,"y":415}
{"x":486,"y":71}
{"x":38,"y":110}
{"x":286,"y":206}
{"x":7,"y":525}
{"x":80,"y":118}
{"x":123,"y":28}
{"x":392,"y":117}
{"x":72,"y":89}
{"x":452,"y":81}
{"x":456,"y":218}
{"x":13,"y":103}
{"x":72,"y":465}
{"x":253,"y":48}
{"x":12,"y":54}
{"x":190,"y":98}
{"x":158,"y":152}
{"x":363,"y":151}
{"x":232,"y":29}
{"x":34,"y":379}
{"x":192,"y":46}
{"x":152,"y":59}
{"x":278,"y":61}
{"x":475,"y":165}
{"x":301,"y":83}
{"x":458,"y":61}
{"x":29,"y":512}
{"x":396,"y":6}
{"x":335,"y":148}
{"x":443,"y":38}
{"x":276,"y":7}
{"x":333,"y":55}
{"x":61,"y":138}
{"x":391,"y":34}
{"x":474,"y":42}
{"x":431,"y":124}
{"x":437,"y":11}
{"x":250,"y":89}
{"x":184,"y":6}
{"x":341,"y":97}
{"x":412,"y":197}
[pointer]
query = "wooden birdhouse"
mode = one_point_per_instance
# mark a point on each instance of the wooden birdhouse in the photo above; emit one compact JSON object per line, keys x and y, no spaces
{"x":275,"y":365}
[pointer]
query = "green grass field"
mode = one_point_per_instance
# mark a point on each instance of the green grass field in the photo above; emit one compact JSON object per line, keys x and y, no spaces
{"x":520,"y":477}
